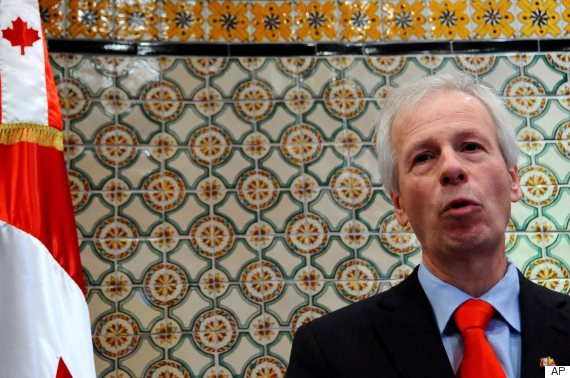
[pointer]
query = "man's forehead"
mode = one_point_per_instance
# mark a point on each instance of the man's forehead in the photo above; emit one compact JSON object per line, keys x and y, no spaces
{"x":461,"y":111}
{"x":435,"y":100}
{"x":439,"y":104}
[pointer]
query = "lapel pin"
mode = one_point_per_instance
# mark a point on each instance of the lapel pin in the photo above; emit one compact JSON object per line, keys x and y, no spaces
{"x":547,"y":361}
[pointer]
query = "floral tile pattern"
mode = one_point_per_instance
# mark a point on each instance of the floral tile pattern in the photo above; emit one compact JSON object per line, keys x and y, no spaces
{"x":262,"y":21}
{"x":223,"y":202}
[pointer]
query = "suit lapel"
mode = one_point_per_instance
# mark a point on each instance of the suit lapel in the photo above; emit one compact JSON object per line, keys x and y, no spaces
{"x":407,"y":327}
{"x":544,"y":331}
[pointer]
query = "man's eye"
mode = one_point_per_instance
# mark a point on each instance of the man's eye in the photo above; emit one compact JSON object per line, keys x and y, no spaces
{"x":422,"y":158}
{"x":471,"y":147}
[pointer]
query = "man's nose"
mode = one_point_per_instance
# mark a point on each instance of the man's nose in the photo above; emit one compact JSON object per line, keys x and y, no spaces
{"x":452,"y":170}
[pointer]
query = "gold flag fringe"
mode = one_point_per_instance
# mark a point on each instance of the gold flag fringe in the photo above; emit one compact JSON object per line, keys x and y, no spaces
{"x":46,"y":136}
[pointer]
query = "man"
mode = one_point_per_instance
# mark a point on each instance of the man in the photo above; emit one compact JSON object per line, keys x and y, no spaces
{"x":448,"y":159}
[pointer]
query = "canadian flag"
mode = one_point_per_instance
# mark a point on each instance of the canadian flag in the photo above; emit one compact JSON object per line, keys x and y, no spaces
{"x":44,"y":320}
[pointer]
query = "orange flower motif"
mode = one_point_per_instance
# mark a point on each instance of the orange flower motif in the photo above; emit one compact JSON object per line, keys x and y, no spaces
{"x":216,"y":331}
{"x":51,"y":17}
{"x":213,"y":236}
{"x":316,"y":19}
{"x":89,"y":18}
{"x":449,"y":19}
{"x":228,"y":21}
{"x":304,"y":189}
{"x":116,"y":286}
{"x":167,"y":333}
{"x":256,"y":145}
{"x":404,"y":20}
{"x":311,"y":281}
{"x":542,"y":232}
{"x":360,"y":21}
{"x":183,"y":19}
{"x":166,"y":284}
{"x":539,"y":17}
{"x":264,"y":329}
{"x":136,"y":19}
{"x":117,"y":335}
{"x":211,"y":190}
{"x":272,"y":21}
{"x":116,"y":192}
{"x":493,"y":17}
{"x":215,"y":283}
{"x":165,"y":237}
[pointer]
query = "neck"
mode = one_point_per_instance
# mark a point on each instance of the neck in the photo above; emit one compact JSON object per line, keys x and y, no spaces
{"x":474,"y":275}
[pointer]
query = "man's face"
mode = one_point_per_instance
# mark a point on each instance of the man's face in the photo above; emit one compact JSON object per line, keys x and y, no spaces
{"x":455,"y":188}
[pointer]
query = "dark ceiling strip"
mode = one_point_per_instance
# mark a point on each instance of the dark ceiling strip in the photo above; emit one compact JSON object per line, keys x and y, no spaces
{"x":99,"y":47}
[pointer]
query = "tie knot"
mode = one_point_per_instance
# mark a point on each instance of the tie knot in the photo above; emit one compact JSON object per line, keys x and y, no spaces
{"x":473,"y":313}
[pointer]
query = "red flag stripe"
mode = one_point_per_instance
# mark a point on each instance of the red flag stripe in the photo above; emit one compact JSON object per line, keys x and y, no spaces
{"x":43,"y":192}
{"x":54,"y":109}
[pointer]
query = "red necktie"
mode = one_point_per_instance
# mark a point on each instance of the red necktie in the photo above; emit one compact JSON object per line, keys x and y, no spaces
{"x":479,"y":359}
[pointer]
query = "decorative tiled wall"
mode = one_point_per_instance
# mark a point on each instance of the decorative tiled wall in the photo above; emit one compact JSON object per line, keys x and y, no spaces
{"x":223,"y":202}
{"x":305,"y":21}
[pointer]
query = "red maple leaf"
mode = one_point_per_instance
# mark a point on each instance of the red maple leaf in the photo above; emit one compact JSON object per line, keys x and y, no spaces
{"x":62,"y":370}
{"x":20,"y":34}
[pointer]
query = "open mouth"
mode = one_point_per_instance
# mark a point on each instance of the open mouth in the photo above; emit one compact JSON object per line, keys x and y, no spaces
{"x":459,"y":204}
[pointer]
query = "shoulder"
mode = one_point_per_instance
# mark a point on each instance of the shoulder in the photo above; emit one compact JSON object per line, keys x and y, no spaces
{"x":338,"y":343}
{"x":354,"y":317}
{"x":543,"y":294}
{"x":534,"y":290}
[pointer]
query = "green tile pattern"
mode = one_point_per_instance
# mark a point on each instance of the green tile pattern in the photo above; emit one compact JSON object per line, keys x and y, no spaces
{"x":223,"y":202}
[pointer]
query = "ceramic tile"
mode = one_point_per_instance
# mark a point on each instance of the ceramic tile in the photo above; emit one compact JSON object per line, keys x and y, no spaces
{"x":73,"y":97}
{"x":556,"y":211}
{"x":360,"y":21}
{"x":552,"y":123}
{"x":136,"y":20}
{"x":549,"y":77}
{"x":86,"y":128}
{"x":228,"y":21}
{"x":195,"y":361}
{"x":400,"y":74}
{"x":494,"y":19}
{"x":139,"y":362}
{"x":328,"y":300}
{"x":366,"y":76}
{"x":502,"y":72}
{"x":272,"y":21}
{"x":553,"y":160}
{"x":95,"y":269}
{"x":51,"y":12}
{"x":91,"y":73}
{"x":87,"y":19}
{"x":449,"y":19}
{"x":245,"y":350}
{"x":539,"y":18}
{"x":139,"y":78}
{"x":319,"y":76}
{"x":183,"y":20}
{"x":405,"y":20}
{"x":315,"y":21}
{"x":279,"y":82}
{"x":565,"y":13}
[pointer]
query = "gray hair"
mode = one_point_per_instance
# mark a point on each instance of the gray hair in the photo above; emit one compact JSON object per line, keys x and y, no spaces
{"x":404,"y":99}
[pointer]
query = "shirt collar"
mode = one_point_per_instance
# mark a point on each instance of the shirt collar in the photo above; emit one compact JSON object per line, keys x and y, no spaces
{"x":445,"y":298}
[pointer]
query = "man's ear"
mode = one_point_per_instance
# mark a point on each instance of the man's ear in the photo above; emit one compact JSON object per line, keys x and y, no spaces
{"x":516,"y":193}
{"x":401,"y":215}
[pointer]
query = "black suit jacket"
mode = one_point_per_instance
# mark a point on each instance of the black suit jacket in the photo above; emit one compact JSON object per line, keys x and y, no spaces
{"x":394,"y":334}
